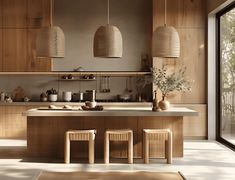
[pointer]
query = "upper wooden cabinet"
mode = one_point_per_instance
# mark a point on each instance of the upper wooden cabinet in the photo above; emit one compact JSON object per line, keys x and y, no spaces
{"x":14,"y":13}
{"x":38,"y":13}
{"x":14,"y":50}
{"x":19,"y":22}
{"x":1,"y":61}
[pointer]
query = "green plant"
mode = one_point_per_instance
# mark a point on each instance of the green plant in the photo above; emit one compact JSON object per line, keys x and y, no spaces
{"x":51,"y":91}
{"x":168,"y":83}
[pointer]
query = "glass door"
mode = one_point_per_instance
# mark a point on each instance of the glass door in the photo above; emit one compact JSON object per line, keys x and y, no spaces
{"x":226,"y":71}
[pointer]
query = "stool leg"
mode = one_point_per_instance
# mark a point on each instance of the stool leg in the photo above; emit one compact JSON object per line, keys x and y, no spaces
{"x":130,"y":148}
{"x":91,"y":148}
{"x":169,"y":148}
{"x":67,"y":149}
{"x":146,"y":149}
{"x":106,"y":149}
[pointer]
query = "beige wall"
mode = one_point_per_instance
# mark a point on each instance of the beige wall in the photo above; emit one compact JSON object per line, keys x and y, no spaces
{"x":81,"y":18}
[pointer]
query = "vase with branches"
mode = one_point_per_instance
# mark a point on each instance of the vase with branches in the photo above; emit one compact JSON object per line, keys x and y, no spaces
{"x":168,"y":83}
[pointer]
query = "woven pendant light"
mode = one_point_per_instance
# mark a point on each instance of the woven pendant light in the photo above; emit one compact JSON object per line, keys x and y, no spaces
{"x":108,"y":41}
{"x":166,"y":41}
{"x":50,"y":41}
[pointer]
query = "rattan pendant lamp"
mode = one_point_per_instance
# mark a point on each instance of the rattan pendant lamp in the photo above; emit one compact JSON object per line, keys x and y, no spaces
{"x":50,"y":41}
{"x":108,"y":41}
{"x":166,"y":41}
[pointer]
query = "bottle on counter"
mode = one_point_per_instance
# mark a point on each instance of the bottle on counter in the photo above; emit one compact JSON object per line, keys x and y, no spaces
{"x":2,"y":96}
{"x":155,"y":103}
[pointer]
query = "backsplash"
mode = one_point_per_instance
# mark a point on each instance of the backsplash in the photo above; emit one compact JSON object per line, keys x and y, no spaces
{"x":34,"y":85}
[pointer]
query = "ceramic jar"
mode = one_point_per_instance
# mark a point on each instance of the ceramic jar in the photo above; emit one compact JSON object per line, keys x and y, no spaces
{"x":164,"y":104}
{"x":67,"y":96}
{"x":53,"y":97}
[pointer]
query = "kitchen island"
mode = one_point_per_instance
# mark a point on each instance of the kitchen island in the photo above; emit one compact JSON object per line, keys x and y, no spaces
{"x":46,"y":130}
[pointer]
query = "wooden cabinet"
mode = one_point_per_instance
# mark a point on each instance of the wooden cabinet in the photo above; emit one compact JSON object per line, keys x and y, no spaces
{"x":14,"y":13}
{"x":19,"y":22}
{"x":38,"y":13}
{"x":14,"y":49}
{"x":1,"y":13}
{"x":12,"y":123}
{"x":1,"y":61}
{"x":35,"y":63}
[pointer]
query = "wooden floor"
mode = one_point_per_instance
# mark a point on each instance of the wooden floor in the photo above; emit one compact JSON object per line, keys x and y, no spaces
{"x":203,"y":160}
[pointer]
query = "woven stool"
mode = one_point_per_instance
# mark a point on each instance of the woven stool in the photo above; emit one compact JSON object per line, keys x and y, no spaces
{"x":80,"y":135}
{"x":118,"y":135}
{"x":164,"y":135}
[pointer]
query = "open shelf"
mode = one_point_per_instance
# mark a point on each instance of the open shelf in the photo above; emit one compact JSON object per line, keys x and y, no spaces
{"x":96,"y":73}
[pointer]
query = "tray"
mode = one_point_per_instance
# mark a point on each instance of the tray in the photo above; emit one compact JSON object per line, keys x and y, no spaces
{"x":97,"y":108}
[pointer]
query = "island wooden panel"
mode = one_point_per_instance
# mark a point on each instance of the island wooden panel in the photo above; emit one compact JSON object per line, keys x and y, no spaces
{"x":12,"y":123}
{"x":45,"y":135}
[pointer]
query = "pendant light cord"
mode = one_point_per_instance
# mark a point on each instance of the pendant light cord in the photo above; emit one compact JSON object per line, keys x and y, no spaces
{"x":108,"y":11}
{"x":51,"y":13}
{"x":165,"y":11}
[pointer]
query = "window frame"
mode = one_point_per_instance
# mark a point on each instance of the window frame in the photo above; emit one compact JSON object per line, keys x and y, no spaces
{"x":219,"y":138}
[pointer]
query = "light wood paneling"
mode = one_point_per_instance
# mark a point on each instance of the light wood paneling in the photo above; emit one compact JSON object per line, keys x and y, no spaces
{"x":189,"y":18}
{"x":15,"y":50}
{"x":180,"y":13}
{"x":14,"y":13}
{"x":193,"y":52}
{"x":38,"y":13}
{"x":196,"y":127}
{"x":34,"y":63}
{"x":1,"y":13}
{"x":1,"y":52}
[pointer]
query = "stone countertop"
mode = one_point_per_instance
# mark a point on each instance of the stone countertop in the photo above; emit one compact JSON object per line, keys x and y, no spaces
{"x":145,"y":104}
{"x":115,"y":111}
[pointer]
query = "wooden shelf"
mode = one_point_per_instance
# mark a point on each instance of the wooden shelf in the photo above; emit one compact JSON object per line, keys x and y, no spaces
{"x":96,"y":73}
{"x":69,"y":80}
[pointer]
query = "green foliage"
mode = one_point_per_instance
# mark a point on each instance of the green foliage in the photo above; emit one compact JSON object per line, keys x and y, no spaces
{"x":51,"y":91}
{"x":168,"y":83}
{"x":227,"y":45}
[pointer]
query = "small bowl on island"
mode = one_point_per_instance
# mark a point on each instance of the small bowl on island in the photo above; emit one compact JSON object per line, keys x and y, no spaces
{"x":91,"y":104}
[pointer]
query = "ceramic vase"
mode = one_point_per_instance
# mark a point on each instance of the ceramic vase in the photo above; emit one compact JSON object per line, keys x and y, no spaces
{"x":164,"y":104}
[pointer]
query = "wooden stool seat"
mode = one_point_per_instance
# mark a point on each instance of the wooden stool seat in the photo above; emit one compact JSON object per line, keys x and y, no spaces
{"x":163,"y":135}
{"x":118,"y":135}
{"x":80,"y":135}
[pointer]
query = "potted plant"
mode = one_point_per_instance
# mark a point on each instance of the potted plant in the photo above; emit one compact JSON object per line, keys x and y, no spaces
{"x":52,"y":95}
{"x":168,"y":83}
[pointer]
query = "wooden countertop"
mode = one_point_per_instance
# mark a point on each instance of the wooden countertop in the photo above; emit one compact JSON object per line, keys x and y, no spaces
{"x":135,"y":111}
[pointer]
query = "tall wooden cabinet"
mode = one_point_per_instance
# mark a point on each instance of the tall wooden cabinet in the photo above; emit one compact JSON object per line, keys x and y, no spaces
{"x":19,"y":23}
